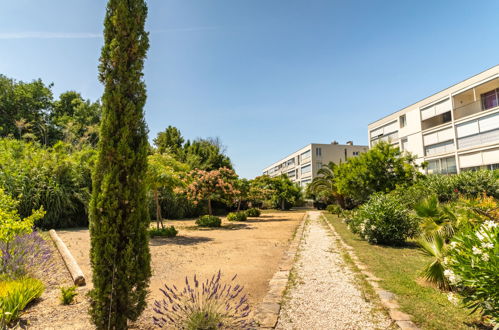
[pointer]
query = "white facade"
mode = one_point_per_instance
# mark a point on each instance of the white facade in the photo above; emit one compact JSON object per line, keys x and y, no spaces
{"x":453,"y":130}
{"x":302,"y":166}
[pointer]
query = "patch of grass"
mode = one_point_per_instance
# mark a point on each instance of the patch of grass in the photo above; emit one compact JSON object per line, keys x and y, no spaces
{"x":399,"y":268}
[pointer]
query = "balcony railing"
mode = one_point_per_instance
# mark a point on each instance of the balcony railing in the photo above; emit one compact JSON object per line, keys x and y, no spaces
{"x":477,"y":106}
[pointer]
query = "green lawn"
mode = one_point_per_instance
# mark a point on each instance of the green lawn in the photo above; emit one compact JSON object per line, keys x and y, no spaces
{"x":399,"y":269}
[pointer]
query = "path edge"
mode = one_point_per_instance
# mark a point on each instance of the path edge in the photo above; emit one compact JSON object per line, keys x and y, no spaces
{"x":267,"y":312}
{"x":387,"y":298}
{"x":71,"y":264}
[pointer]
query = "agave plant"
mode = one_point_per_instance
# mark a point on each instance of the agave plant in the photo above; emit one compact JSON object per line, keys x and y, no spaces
{"x":210,"y":304}
{"x":434,"y":246}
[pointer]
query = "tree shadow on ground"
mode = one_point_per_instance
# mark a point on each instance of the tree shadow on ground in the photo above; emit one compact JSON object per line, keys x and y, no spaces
{"x":264,"y":221}
{"x":230,"y":226}
{"x":178,"y":240}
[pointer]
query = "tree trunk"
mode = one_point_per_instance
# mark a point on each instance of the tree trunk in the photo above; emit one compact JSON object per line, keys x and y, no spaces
{"x":159,"y":218}
{"x":282,"y":204}
{"x":209,"y":207}
{"x":238,"y":205}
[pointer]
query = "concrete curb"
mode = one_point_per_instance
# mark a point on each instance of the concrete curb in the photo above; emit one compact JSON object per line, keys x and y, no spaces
{"x":388,"y":299}
{"x":267,"y":312}
{"x":71,"y":264}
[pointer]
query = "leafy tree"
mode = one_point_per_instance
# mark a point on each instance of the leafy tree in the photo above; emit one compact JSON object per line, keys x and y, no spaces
{"x":119,"y":219}
{"x":215,"y":185}
{"x":206,"y":154}
{"x":381,"y":169}
{"x":75,"y":119}
{"x":170,"y":140}
{"x":280,"y":191}
{"x":24,"y":108}
{"x":163,"y":171}
{"x":243,"y":188}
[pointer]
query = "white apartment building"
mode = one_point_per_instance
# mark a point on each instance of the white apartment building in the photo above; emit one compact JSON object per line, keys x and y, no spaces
{"x":453,"y":130}
{"x":302,"y":166}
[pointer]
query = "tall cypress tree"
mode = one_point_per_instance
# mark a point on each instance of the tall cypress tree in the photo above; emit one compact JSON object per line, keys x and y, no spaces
{"x":118,"y":214}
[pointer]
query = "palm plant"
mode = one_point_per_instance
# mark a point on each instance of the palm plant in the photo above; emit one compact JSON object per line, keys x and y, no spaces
{"x":323,"y":186}
{"x":434,"y":246}
{"x":436,"y":218}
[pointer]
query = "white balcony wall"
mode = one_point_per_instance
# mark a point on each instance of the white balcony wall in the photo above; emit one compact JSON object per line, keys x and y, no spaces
{"x":436,"y":109}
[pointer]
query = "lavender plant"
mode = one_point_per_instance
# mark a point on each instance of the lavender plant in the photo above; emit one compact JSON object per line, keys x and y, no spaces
{"x":203,"y":305}
{"x":24,"y":255}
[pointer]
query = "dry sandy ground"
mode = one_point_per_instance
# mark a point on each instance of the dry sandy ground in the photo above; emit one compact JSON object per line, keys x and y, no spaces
{"x":250,"y":249}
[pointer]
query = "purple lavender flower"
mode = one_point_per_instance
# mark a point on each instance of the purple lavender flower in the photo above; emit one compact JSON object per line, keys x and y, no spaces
{"x":207,"y":306}
{"x":24,"y":255}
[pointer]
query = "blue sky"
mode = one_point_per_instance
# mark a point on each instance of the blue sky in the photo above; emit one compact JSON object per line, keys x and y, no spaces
{"x":267,"y":77}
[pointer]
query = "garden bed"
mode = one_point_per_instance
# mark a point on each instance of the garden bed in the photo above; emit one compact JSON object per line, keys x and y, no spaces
{"x":252,"y":250}
{"x":399,"y":269}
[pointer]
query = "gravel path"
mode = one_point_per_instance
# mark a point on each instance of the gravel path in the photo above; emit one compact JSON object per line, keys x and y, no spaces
{"x":325,"y":295}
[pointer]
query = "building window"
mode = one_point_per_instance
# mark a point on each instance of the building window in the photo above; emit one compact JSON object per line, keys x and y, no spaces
{"x":304,"y":155}
{"x":319,"y":165}
{"x":490,"y":99}
{"x":356,"y":153}
{"x":439,"y":148}
{"x":306,"y":169}
{"x":442,"y":166}
{"x":403,"y":144}
{"x":291,"y":174}
{"x":318,"y":152}
{"x":305,"y":182}
{"x":403,"y":121}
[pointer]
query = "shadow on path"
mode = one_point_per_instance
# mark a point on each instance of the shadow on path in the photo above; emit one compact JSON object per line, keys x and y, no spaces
{"x":179,"y":240}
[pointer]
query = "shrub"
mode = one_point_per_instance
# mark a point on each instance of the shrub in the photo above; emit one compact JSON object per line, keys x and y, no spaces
{"x":472,"y":267}
{"x":237,"y":216}
{"x":203,"y":305}
{"x":11,"y":224}
{"x":473,"y":183}
{"x":209,"y":221}
{"x":334,"y":209}
{"x":383,"y":220}
{"x":57,"y":178}
{"x":253,"y":212}
{"x":163,"y":232}
{"x":68,"y":294}
{"x":15,"y":296}
{"x":24,"y":255}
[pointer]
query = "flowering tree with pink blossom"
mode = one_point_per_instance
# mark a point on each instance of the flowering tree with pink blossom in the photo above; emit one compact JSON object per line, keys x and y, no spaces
{"x":215,"y":185}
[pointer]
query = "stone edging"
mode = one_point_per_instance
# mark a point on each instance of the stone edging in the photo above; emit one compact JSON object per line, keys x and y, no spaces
{"x":71,"y":264}
{"x":388,"y":299}
{"x":267,"y":312}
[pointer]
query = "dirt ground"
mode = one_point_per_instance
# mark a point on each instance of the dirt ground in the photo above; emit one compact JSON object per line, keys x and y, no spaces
{"x":250,"y":249}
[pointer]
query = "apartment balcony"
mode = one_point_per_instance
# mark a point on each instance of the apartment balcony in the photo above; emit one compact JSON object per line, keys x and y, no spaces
{"x":483,"y":97}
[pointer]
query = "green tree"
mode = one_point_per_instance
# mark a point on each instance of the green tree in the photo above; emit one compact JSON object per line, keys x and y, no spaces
{"x":280,"y":191}
{"x":75,"y":119}
{"x":206,"y":154}
{"x":119,"y":218}
{"x":26,"y":103}
{"x":381,"y":169}
{"x":170,"y":140}
{"x":163,"y":172}
{"x":323,"y":186}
